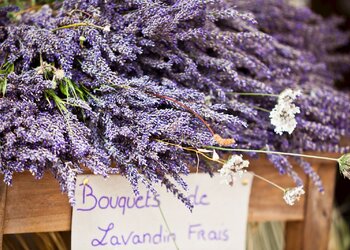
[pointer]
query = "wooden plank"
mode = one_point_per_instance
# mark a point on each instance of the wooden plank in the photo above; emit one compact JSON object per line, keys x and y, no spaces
{"x":294,"y":231}
{"x":318,"y":211}
{"x":3,"y":191}
{"x":38,"y":205}
{"x":294,"y":235}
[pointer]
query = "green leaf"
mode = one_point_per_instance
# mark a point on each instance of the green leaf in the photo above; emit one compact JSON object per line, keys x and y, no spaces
{"x":4,"y":86}
{"x":71,"y":87}
{"x":61,"y":105}
{"x":64,"y":89}
{"x":80,"y":91}
{"x":11,"y":68}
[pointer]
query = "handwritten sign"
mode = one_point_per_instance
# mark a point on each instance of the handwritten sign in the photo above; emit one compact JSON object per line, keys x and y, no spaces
{"x":108,"y":215}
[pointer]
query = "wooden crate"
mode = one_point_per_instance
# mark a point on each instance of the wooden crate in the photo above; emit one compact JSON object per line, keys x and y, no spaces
{"x":38,"y":206}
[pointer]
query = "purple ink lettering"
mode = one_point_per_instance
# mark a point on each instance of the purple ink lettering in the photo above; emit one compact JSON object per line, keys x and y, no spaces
{"x":132,"y":202}
{"x":173,"y":236}
{"x":212,"y":235}
{"x":147,"y":199}
{"x":106,"y":201}
{"x":85,"y":195}
{"x":148,"y":236}
{"x":114,"y":240}
{"x":155,"y":198}
{"x":113,"y":204}
{"x":127,"y":239}
{"x":158,"y":236}
{"x":225,"y":234}
{"x":190,"y":230}
{"x":198,"y":200}
{"x":137,"y":200}
{"x":122,"y":203}
{"x":193,"y":197}
{"x":136,"y":239}
{"x":96,"y":242}
{"x":202,"y":201}
{"x":201,"y":234}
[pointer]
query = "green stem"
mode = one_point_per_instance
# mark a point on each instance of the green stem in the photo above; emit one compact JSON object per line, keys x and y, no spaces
{"x":252,"y":94}
{"x":74,"y":25}
{"x":270,"y":182}
{"x":262,"y":109}
{"x":167,"y":226}
{"x":273,"y":152}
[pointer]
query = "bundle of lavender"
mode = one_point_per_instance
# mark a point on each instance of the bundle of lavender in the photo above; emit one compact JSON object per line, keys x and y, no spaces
{"x":148,"y":88}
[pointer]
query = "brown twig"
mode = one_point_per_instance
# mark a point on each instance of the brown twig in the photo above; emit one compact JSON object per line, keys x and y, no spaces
{"x":221,"y":141}
{"x":185,"y":107}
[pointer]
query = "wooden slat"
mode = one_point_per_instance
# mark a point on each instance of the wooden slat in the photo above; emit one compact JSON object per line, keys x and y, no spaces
{"x":3,"y":189}
{"x":294,"y":235}
{"x":39,"y":206}
{"x":294,"y":231}
{"x":318,"y":211}
{"x":36,"y":206}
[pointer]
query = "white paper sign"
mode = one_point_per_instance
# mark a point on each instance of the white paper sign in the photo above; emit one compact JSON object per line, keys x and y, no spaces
{"x":108,"y":215}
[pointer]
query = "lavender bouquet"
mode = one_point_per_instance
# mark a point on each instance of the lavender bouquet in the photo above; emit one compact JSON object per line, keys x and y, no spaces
{"x":148,"y":88}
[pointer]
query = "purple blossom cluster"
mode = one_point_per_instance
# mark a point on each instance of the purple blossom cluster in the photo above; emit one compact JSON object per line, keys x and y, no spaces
{"x":89,"y":76}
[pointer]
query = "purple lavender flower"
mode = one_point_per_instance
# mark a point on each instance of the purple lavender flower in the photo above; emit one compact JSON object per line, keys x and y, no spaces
{"x":88,"y":79}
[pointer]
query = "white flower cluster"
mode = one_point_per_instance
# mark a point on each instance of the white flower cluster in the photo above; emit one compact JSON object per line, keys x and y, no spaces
{"x":107,"y":28}
{"x":234,"y":166}
{"x":59,"y":74}
{"x":283,"y":114}
{"x":291,"y":195}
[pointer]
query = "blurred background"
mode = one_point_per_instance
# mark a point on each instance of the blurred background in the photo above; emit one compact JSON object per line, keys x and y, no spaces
{"x":341,"y":215}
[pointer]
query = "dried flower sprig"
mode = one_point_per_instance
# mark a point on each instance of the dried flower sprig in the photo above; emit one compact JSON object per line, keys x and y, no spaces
{"x":235,"y":166}
{"x":291,"y":195}
{"x":343,"y":161}
{"x":106,"y":28}
{"x":283,"y":114}
{"x":221,"y":141}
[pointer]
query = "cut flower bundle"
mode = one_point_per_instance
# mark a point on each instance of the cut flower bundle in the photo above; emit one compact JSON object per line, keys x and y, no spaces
{"x":148,"y":88}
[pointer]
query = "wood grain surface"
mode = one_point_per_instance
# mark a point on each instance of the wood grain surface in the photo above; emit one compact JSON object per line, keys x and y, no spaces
{"x":3,"y":192}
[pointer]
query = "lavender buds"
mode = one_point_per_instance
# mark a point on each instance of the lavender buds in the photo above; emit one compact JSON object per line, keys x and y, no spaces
{"x":106,"y":84}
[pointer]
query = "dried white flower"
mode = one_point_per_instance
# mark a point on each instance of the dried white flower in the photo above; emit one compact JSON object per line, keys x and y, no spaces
{"x":216,"y":157}
{"x":44,"y":68}
{"x":288,"y":95}
{"x":234,"y":166}
{"x":283,"y":114}
{"x":107,"y":28}
{"x":291,"y":195}
{"x":59,"y":74}
{"x":283,"y":118}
